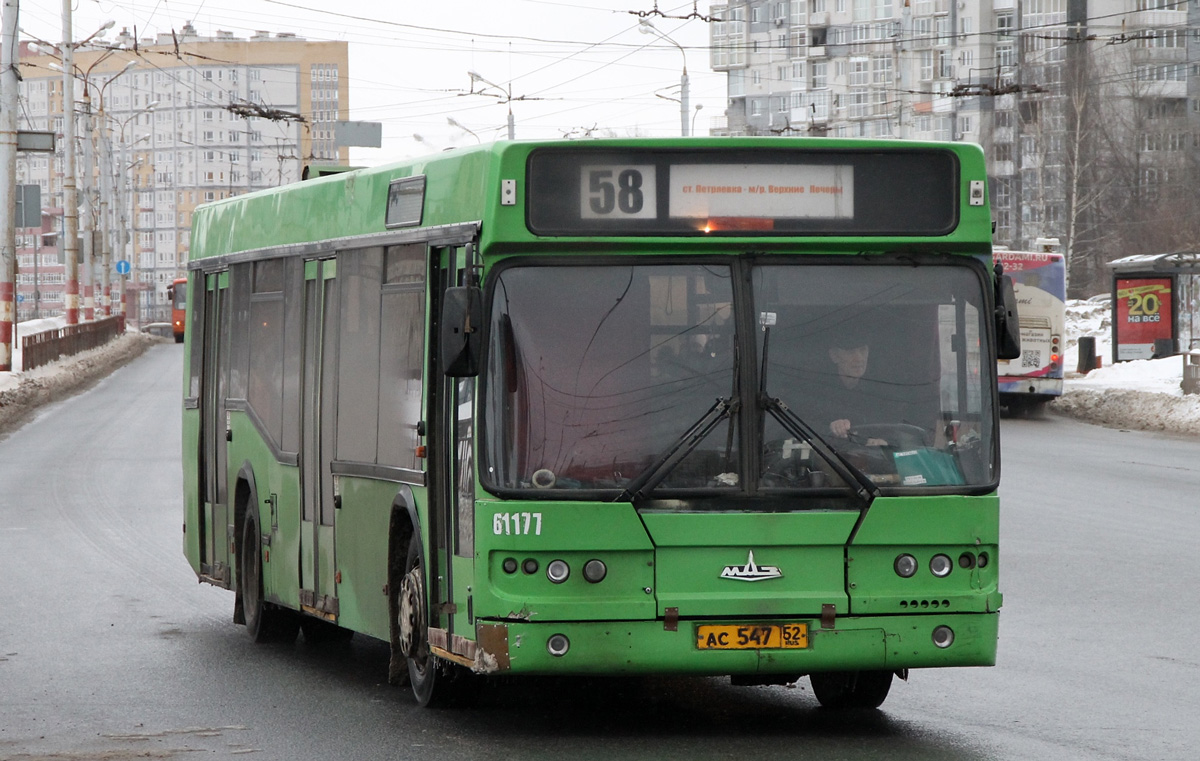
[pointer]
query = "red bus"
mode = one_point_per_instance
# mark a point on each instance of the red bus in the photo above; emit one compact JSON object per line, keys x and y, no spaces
{"x":178,"y":295}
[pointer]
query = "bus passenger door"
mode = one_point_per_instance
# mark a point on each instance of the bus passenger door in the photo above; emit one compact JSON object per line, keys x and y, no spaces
{"x":216,"y":530}
{"x":318,"y":594}
{"x":452,"y":529}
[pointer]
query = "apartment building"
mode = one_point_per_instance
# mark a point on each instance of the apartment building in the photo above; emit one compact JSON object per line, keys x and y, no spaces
{"x":162,"y":125}
{"x":1088,"y":110}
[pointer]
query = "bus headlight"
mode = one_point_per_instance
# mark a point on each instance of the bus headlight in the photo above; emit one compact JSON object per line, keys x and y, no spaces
{"x":558,"y":571}
{"x":595,"y":571}
{"x":940,"y":566}
{"x":906,"y":566}
{"x":943,"y":637}
{"x":558,"y":645}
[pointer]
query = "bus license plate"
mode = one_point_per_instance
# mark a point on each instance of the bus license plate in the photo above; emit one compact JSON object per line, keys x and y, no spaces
{"x":756,"y":637}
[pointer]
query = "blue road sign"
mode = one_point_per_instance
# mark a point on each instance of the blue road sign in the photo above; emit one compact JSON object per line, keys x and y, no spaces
{"x":123,"y":267}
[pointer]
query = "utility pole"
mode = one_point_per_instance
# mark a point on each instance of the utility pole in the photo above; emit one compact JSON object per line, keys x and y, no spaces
{"x":106,"y":214}
{"x":70,"y":231}
{"x":89,"y":211}
{"x":8,"y":184}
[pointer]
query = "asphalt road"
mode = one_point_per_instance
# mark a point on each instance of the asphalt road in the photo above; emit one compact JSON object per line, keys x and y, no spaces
{"x":109,"y":649}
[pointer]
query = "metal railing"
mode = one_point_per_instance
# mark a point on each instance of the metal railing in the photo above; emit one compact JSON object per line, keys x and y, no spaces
{"x":45,"y":347}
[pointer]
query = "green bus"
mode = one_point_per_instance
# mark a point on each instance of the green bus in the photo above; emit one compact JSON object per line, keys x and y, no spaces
{"x":638,"y":406}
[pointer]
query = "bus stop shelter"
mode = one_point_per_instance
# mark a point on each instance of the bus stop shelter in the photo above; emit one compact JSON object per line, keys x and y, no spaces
{"x":1155,"y":298}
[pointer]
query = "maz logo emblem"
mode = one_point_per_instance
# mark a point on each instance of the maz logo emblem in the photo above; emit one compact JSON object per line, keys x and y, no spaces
{"x":751,"y":571}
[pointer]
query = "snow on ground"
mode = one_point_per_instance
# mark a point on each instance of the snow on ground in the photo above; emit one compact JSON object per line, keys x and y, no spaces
{"x":27,"y":328}
{"x":1144,"y":394}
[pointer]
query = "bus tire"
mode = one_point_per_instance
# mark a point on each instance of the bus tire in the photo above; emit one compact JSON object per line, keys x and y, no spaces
{"x":264,"y":622}
{"x":839,"y":690}
{"x":435,"y":682}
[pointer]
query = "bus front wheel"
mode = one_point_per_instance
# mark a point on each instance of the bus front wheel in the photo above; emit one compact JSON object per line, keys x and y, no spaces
{"x":264,"y":621}
{"x":434,"y":682}
{"x":851,"y":689}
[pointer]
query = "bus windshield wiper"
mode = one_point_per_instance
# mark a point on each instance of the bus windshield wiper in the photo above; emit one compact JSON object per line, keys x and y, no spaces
{"x":645,"y":482}
{"x":866,"y":489}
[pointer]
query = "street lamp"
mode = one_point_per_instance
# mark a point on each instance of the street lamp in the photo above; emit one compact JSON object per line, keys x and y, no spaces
{"x":423,"y":141}
{"x":114,"y":223}
{"x":70,"y":229}
{"x":106,"y":226}
{"x":645,"y":27}
{"x":508,"y":98}
{"x":94,"y":210}
{"x":694,"y":115}
{"x":453,"y":123}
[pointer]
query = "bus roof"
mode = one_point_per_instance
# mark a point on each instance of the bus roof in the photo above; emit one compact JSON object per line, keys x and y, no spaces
{"x":466,"y":186}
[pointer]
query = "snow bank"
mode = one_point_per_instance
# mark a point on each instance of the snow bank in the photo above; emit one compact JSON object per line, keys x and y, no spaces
{"x":1145,"y":394}
{"x":22,"y":393}
{"x":1130,"y":408}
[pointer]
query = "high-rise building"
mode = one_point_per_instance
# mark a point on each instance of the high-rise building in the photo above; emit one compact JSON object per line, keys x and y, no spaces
{"x":1088,"y":110}
{"x":163,"y":125}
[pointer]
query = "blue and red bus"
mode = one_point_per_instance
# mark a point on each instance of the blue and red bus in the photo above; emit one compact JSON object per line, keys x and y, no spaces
{"x":1040,"y":282}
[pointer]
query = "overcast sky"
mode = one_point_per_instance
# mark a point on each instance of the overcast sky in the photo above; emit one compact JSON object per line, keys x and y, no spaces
{"x":571,"y":66}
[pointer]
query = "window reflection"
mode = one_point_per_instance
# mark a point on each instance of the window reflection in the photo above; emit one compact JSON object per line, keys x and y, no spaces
{"x":596,"y":370}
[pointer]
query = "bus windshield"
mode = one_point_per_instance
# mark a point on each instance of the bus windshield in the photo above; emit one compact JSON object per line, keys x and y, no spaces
{"x":179,"y":295}
{"x":597,"y":373}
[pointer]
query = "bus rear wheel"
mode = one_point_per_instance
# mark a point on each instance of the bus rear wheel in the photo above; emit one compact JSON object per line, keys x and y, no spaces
{"x":851,"y":689}
{"x":264,"y":621}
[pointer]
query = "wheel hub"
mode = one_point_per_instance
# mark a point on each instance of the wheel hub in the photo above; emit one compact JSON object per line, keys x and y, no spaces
{"x":410,"y":618}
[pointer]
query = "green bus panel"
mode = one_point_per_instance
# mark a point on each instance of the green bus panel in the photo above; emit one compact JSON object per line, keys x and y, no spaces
{"x":362,"y":524}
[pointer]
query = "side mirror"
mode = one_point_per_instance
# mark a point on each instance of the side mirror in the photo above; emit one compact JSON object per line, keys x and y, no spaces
{"x":1008,"y":324}
{"x":462,"y":331}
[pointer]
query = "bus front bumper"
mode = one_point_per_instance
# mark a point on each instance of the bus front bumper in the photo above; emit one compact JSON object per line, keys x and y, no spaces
{"x":651,"y":647}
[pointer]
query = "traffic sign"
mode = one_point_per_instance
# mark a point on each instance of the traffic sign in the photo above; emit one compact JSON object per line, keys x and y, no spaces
{"x":123,"y":267}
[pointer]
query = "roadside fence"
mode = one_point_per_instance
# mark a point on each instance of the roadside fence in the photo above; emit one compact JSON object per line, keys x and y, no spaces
{"x":45,"y":347}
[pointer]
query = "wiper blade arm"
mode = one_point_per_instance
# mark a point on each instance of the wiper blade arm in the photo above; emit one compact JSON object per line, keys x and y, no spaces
{"x":645,"y":482}
{"x":866,"y":489}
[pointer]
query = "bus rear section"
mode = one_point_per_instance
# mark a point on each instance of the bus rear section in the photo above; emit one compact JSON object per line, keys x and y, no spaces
{"x":1036,"y":376}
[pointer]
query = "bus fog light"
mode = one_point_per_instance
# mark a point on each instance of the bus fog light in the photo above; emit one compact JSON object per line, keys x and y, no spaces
{"x":943,"y":637}
{"x":595,"y":571}
{"x":906,"y":566}
{"x":558,"y":571}
{"x":510,"y":565}
{"x":530,"y":566}
{"x":940,"y":566}
{"x":558,"y":645}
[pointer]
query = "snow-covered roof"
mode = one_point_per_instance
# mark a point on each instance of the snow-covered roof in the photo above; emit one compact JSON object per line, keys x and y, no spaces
{"x":1180,"y":262}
